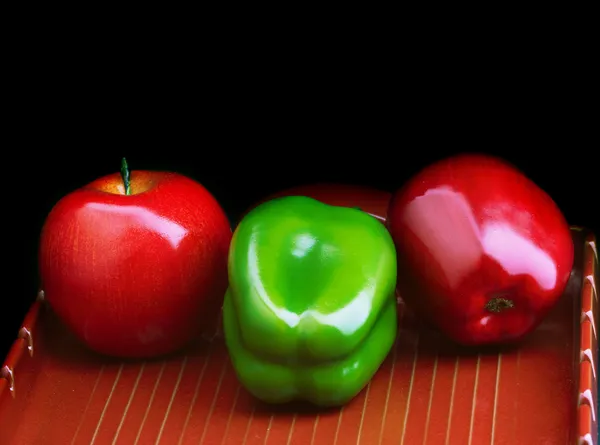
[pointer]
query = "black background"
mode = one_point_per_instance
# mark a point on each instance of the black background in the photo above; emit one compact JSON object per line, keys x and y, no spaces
{"x":244,"y":139}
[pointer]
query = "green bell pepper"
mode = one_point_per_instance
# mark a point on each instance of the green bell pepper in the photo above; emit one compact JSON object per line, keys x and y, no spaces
{"x":310,"y":312}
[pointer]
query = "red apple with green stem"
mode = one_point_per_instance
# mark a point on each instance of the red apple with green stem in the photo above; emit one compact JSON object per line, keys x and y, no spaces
{"x":483,"y":252}
{"x":135,"y":264}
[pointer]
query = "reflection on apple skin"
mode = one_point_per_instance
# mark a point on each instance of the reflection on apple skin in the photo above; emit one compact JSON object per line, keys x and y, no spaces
{"x":444,"y":222}
{"x":132,"y":217}
{"x":136,"y":275}
{"x":464,"y":238}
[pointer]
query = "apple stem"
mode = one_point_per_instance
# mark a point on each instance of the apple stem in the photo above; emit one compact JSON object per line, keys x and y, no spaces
{"x":499,"y":304}
{"x":125,"y":176}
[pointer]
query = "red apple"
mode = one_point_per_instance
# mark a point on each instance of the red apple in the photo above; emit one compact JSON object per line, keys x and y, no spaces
{"x":136,"y":274}
{"x":371,"y":200}
{"x":483,"y":252}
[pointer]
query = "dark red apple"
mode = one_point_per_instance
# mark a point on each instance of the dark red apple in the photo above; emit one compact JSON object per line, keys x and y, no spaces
{"x":371,"y":200}
{"x":136,"y":265}
{"x":483,"y":252}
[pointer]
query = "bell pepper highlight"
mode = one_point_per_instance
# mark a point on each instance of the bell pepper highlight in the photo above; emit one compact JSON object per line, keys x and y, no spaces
{"x":310,"y":313}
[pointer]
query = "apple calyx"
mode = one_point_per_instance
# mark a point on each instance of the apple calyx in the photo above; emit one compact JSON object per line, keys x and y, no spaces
{"x":125,"y":176}
{"x":499,"y":304}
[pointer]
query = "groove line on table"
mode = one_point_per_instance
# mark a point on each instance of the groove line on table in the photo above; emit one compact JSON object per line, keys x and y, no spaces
{"x":214,"y":401}
{"x":291,"y":433}
{"x":339,"y":424}
{"x":196,"y":390}
{"x":498,"y":368}
{"x":391,"y":377}
{"x":431,"y":391}
{"x":158,"y":378}
{"x":362,"y":414}
{"x":474,"y":401}
{"x":234,"y":406}
{"x":268,"y":429}
{"x":249,"y":424}
{"x":108,"y":399}
{"x":127,"y":406}
{"x":451,"y":408}
{"x":171,"y":400}
{"x":87,"y":405}
{"x":410,"y":388}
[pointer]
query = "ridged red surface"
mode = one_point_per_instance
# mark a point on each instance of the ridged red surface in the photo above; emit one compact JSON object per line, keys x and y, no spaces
{"x":54,"y":391}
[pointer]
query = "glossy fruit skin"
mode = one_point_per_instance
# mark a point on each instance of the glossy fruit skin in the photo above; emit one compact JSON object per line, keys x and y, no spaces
{"x":471,"y":228}
{"x":373,"y":201}
{"x":136,"y":275}
{"x":310,"y":313}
